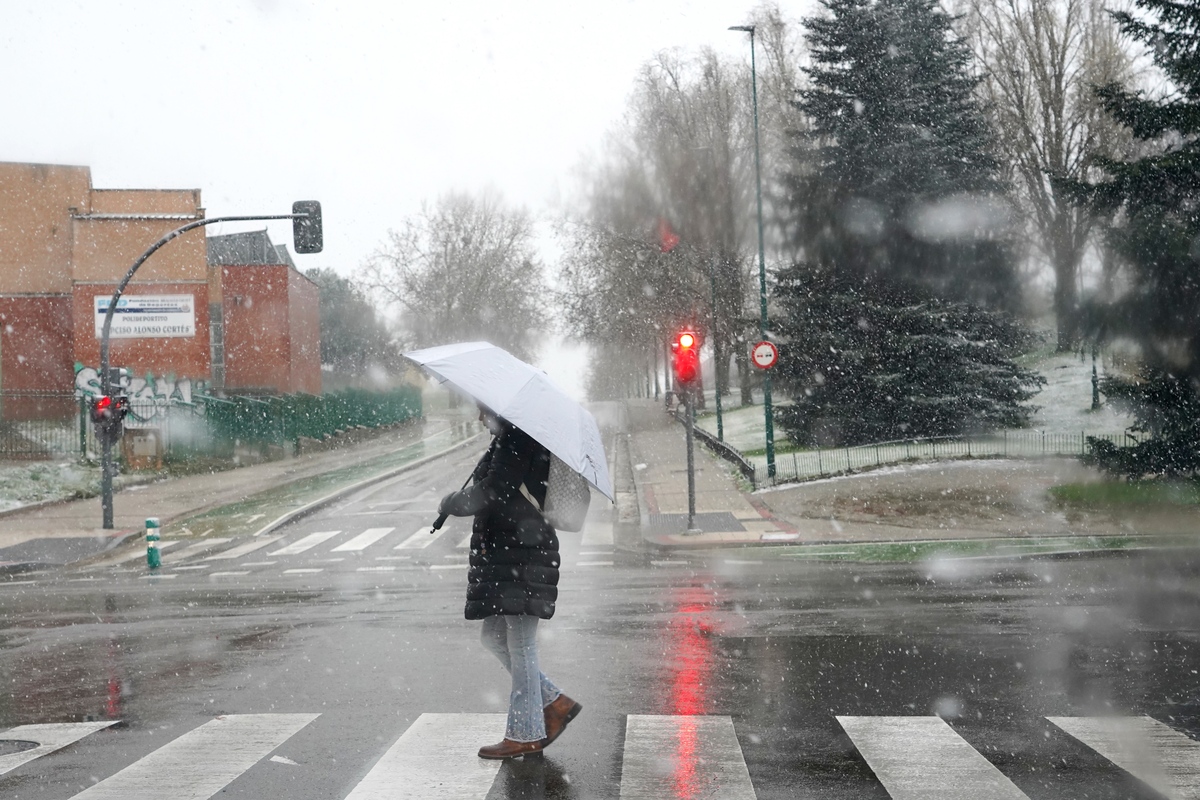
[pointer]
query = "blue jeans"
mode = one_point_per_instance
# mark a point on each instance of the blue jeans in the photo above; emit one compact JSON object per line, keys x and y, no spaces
{"x":513,"y":640}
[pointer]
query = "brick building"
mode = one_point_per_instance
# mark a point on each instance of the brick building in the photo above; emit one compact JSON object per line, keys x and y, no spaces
{"x":267,"y":321}
{"x":64,"y":246}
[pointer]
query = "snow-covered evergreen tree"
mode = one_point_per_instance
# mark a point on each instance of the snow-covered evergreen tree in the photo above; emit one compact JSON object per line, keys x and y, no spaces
{"x":1154,"y":202}
{"x":895,"y":323}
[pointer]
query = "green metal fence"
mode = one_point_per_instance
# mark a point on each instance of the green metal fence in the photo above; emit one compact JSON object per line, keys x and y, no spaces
{"x":56,"y":425}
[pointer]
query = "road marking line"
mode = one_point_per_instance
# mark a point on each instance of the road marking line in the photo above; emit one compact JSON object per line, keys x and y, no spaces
{"x":157,"y":575}
{"x":244,"y":549}
{"x":227,"y":574}
{"x":1152,"y":752}
{"x":198,"y":547}
{"x":449,"y":566}
{"x":465,"y":544}
{"x":364,"y":540}
{"x":436,"y":759}
{"x":194,"y":566}
{"x":676,"y":756}
{"x":916,"y":758}
{"x":376,"y":569}
{"x":258,"y":563}
{"x":203,"y":761}
{"x":306,"y":571}
{"x":741,"y":561}
{"x":420,"y":540}
{"x":31,"y":583}
{"x":255,"y":517}
{"x":595,"y":552}
{"x":49,"y":737}
{"x":393,"y":558}
{"x":310,"y":541}
{"x":594,"y":564}
{"x":597,"y":535}
{"x":669,"y":563}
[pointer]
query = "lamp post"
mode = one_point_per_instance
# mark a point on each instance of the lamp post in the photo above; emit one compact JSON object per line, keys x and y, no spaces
{"x":762,"y":267}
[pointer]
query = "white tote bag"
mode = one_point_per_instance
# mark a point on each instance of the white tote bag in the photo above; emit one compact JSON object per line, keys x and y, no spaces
{"x":567,"y":497}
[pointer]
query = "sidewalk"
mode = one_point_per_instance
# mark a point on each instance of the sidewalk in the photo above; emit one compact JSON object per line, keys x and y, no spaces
{"x":657,"y":453}
{"x":976,"y":500}
{"x":67,"y":532}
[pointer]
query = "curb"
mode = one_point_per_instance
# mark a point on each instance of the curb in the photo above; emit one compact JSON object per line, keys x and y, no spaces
{"x":316,"y":505}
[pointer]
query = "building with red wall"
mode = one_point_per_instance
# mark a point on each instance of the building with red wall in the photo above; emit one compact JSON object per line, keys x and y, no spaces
{"x":271,"y":317}
{"x":64,"y":246}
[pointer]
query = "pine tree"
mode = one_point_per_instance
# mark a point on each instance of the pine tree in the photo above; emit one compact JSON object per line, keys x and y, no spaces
{"x":897,"y":174}
{"x":877,"y":361}
{"x":1154,"y":202}
{"x":886,"y":320}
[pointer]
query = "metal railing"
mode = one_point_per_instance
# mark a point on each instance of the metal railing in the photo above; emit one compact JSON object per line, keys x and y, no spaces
{"x":830,"y":461}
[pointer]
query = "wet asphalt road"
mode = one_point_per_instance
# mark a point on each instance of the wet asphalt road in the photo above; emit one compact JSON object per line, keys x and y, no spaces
{"x":371,"y":638}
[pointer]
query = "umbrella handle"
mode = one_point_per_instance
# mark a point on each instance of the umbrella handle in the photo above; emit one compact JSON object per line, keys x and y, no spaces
{"x":441,"y":520}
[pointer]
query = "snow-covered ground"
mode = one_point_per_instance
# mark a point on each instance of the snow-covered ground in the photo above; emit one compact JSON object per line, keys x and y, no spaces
{"x":25,"y":483}
{"x":1064,"y":406}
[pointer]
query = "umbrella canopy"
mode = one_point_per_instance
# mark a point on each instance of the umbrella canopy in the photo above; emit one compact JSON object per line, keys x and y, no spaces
{"x":526,"y":397}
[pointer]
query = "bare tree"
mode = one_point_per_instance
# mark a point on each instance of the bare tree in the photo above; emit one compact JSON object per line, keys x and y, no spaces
{"x":1042,"y":59}
{"x":463,"y":268}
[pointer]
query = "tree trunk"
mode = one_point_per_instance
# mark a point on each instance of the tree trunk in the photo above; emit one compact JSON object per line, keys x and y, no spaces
{"x":741,"y":355}
{"x":1066,"y":290}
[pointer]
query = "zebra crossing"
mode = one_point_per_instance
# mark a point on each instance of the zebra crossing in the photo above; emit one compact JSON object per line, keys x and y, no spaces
{"x":435,"y":758}
{"x":367,"y":550}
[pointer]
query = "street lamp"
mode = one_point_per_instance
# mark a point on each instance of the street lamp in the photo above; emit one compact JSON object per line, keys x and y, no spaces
{"x":307,"y":237}
{"x":762,"y":266}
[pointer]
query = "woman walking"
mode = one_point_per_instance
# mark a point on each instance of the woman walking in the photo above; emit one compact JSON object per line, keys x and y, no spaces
{"x":513,"y":580}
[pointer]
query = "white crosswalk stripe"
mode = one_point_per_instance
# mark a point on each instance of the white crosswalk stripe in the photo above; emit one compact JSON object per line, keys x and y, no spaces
{"x":420,"y":540}
{"x":1152,"y":752}
{"x":49,"y":737}
{"x":307,"y":543}
{"x":197,"y":548}
{"x":660,"y":749}
{"x":916,"y":758}
{"x":364,"y":540}
{"x":243,"y":549}
{"x":597,"y":534}
{"x":202,"y":762}
{"x":435,"y":759}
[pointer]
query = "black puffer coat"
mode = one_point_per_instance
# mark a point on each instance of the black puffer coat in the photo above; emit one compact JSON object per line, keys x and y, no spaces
{"x":514,"y":551}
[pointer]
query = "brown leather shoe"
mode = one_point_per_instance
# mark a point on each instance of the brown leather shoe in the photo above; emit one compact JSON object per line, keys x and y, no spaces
{"x":510,"y":749}
{"x":558,"y":714}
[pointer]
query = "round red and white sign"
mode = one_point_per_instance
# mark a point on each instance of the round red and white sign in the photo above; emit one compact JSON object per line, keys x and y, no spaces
{"x":764,"y":355}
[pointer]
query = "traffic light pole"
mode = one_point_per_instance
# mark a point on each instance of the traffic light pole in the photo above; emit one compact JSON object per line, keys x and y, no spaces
{"x":106,"y":459}
{"x":689,"y":395}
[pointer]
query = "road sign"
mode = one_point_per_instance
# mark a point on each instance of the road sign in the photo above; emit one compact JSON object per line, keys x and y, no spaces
{"x":765,"y":355}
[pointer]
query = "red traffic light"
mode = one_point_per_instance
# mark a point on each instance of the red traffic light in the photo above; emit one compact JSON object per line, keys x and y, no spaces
{"x":685,"y":351}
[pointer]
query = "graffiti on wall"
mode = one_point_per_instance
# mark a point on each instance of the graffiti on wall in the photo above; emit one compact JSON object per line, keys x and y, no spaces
{"x":149,"y":396}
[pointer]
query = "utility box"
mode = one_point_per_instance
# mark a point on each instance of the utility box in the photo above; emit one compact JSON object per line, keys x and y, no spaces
{"x":142,"y":448}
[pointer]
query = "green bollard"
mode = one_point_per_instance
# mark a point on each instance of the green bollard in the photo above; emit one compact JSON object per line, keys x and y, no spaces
{"x":153,"y":557}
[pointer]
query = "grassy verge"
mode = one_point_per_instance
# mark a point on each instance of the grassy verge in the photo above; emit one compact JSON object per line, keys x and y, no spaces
{"x":972,"y":548}
{"x":1116,"y":494}
{"x":253,"y":513}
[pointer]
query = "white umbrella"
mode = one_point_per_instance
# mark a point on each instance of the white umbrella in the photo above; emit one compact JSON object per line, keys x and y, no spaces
{"x":525,"y":396}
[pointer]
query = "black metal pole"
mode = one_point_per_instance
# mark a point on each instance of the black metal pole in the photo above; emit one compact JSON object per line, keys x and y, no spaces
{"x":106,"y":463}
{"x":691,"y":463}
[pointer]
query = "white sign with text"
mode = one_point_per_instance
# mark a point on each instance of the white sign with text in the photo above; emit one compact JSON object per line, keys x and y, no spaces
{"x":144,"y":316}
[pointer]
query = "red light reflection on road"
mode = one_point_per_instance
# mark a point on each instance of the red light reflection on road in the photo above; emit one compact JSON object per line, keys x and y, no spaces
{"x":690,"y":662}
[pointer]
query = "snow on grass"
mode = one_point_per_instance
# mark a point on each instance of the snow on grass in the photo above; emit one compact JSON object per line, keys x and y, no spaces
{"x":1063,"y":406}
{"x":23,"y":484}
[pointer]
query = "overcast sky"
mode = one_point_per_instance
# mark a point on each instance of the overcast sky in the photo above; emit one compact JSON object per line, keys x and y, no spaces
{"x":369,"y":107}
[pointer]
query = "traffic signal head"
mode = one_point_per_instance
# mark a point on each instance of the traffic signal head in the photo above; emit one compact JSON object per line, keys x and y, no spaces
{"x":685,"y":352}
{"x":308,"y":234}
{"x":108,"y":417}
